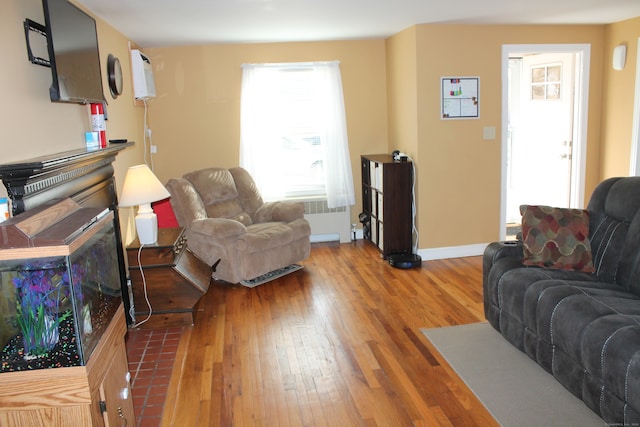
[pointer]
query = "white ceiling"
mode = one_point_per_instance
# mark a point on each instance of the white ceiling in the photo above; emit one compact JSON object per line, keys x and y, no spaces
{"x":152,"y":23}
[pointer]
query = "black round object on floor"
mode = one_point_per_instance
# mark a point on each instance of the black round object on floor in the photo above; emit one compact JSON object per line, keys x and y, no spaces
{"x":404,"y":261}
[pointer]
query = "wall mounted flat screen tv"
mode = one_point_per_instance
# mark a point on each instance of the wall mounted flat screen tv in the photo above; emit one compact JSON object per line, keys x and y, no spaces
{"x":72,"y":42}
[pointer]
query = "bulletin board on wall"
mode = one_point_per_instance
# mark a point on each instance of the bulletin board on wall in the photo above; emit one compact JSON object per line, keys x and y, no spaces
{"x":460,"y":98}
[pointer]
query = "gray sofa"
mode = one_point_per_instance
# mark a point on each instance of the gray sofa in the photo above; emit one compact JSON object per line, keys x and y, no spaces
{"x":582,"y":327}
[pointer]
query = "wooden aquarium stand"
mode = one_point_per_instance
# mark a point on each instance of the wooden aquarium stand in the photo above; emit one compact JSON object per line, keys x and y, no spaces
{"x":97,"y":394}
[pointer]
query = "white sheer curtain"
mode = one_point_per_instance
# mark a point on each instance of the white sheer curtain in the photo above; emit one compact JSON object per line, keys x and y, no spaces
{"x":261,"y":121}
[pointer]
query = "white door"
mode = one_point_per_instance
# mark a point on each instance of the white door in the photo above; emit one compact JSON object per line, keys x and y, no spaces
{"x":540,"y":131}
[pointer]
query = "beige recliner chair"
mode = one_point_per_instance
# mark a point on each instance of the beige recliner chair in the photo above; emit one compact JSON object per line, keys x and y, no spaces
{"x":230,"y":227}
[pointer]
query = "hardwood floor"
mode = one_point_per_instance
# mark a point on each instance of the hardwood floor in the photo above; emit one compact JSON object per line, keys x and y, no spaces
{"x":334,"y":344}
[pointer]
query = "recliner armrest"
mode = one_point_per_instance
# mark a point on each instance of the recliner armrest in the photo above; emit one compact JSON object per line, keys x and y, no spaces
{"x":218,"y":227}
{"x":279,"y":211}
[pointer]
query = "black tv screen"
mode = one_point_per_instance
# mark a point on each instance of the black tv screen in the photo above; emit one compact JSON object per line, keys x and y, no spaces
{"x":72,"y":41}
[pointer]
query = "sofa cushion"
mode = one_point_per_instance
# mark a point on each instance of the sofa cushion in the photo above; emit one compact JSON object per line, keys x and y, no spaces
{"x":219,"y":227}
{"x":279,"y":211}
{"x":265,"y":236}
{"x":508,"y":297}
{"x":595,"y":332}
{"x":230,"y":209}
{"x":185,"y":201}
{"x":248,"y":193}
{"x":611,"y":212}
{"x":219,"y":194}
{"x":556,"y":238}
{"x":214,"y":185}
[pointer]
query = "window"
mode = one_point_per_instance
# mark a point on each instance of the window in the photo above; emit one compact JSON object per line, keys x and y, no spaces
{"x":545,"y":82}
{"x":293,"y":132}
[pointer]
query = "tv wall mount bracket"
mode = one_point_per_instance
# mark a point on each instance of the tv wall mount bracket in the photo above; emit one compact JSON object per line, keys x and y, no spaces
{"x":39,"y":29}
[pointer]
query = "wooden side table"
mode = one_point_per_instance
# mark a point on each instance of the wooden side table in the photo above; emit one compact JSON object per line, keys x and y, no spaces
{"x":175,"y":279}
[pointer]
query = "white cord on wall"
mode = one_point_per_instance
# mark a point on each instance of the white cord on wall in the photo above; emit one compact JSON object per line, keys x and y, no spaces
{"x":147,"y":137}
{"x":399,"y":156}
{"x":414,"y":230}
{"x":144,"y":136}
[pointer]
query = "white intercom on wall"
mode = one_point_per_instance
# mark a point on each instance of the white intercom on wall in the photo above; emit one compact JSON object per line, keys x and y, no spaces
{"x":619,"y":57}
{"x":143,"y":84}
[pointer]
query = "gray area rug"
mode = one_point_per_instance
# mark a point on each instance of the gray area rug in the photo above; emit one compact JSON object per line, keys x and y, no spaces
{"x":515,"y":390}
{"x":272,"y":275}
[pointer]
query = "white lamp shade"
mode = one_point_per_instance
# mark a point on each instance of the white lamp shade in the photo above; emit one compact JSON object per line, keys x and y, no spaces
{"x":141,"y":187}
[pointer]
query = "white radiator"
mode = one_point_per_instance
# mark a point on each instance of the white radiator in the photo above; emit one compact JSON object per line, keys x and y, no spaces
{"x":328,"y":224}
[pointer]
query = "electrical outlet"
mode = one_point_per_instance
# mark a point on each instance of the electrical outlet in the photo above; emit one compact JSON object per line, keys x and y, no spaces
{"x":154,"y":149}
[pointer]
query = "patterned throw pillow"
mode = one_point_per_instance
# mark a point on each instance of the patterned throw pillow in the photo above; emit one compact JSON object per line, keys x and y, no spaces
{"x":556,"y":238}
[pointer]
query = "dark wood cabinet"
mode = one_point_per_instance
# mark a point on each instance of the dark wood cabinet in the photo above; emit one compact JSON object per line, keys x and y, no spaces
{"x":387,"y":203}
{"x":175,"y":279}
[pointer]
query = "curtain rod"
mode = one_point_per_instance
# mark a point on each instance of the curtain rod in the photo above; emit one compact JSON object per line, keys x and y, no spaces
{"x":289,"y":64}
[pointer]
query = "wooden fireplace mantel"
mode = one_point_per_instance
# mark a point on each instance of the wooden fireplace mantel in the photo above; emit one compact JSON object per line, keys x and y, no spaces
{"x":32,"y":182}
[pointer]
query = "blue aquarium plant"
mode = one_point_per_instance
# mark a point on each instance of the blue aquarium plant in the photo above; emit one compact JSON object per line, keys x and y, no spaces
{"x":40,"y":291}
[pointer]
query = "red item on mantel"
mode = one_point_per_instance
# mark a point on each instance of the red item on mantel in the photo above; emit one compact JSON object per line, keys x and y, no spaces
{"x":98,"y":123}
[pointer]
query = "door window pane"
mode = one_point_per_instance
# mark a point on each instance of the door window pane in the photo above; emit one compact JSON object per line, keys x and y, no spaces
{"x":545,"y":82}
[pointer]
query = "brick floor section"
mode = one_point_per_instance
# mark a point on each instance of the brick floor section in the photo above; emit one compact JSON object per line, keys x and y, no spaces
{"x":151,"y":354}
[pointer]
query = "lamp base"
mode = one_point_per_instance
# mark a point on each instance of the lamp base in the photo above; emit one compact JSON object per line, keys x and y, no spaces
{"x":147,"y":226}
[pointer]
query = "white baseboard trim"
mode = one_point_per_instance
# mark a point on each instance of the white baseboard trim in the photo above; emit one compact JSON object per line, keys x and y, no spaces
{"x":331,"y":237}
{"x":452,"y":252}
{"x":319,"y":238}
{"x":426,"y":254}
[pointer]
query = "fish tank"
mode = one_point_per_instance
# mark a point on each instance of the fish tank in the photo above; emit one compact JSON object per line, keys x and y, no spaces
{"x":59,"y":295}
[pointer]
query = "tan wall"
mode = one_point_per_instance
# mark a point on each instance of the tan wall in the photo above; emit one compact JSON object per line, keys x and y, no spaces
{"x":195,"y":119}
{"x":30,"y":124}
{"x":395,"y":81}
{"x":402,"y":91}
{"x":458,"y":171}
{"x":391,"y":96}
{"x":618,"y":94}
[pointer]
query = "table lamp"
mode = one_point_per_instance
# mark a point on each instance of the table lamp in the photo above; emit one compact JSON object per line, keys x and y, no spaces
{"x":141,"y":187}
